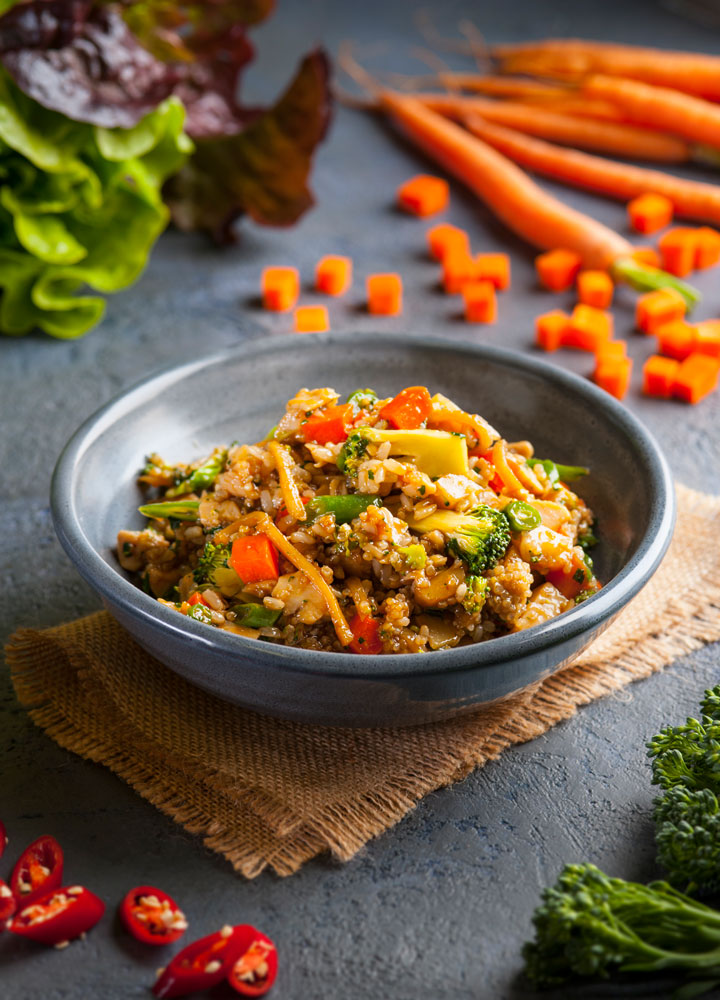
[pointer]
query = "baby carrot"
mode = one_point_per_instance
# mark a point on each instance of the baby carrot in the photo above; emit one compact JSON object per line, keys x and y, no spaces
{"x":655,"y":309}
{"x":493,"y":267}
{"x":384,"y":294}
{"x":480,"y":302}
{"x":333,"y":275}
{"x":649,"y":212}
{"x":659,"y":375}
{"x":550,"y":329}
{"x":558,"y":269}
{"x":446,"y":237}
{"x":696,"y":378}
{"x":595,"y":288}
{"x":311,"y":319}
{"x":280,"y":288}
{"x":424,"y":195}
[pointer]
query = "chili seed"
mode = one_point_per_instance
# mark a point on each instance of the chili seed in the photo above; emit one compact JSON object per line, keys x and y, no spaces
{"x":212,"y":967}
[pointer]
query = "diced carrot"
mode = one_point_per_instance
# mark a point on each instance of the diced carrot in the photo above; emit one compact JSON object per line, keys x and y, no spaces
{"x":647,"y":255}
{"x":444,"y":238}
{"x":595,"y":288}
{"x":588,"y":328}
{"x":612,"y":350}
{"x":650,"y":212}
{"x":254,"y":558}
{"x":550,"y":329}
{"x":311,"y":319}
{"x":707,"y":251}
{"x":494,"y":267}
{"x":696,"y":377}
{"x":678,"y":250}
{"x":558,"y":269}
{"x":655,"y":309}
{"x":566,"y":582}
{"x":480,"y":302}
{"x":658,"y":376}
{"x":424,"y":195}
{"x":707,"y":338}
{"x":458,"y":269}
{"x":614,"y":376}
{"x":280,"y":288}
{"x":409,"y":409}
{"x":197,"y":598}
{"x":329,"y":426}
{"x":384,"y":294}
{"x":366,"y":633}
{"x":333,"y":275}
{"x":677,"y":339}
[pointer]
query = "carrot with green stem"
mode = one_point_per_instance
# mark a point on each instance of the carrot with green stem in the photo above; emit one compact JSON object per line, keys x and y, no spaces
{"x":691,"y":199}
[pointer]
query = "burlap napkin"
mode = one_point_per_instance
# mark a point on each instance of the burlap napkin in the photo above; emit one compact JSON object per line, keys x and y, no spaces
{"x":263,"y":792}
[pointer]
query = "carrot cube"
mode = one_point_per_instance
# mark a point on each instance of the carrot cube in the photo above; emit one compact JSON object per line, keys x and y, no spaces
{"x":647,"y":256}
{"x":614,"y":376}
{"x":458,"y":269}
{"x":384,"y":294}
{"x":558,"y":269}
{"x":311,"y":319}
{"x":280,"y":288}
{"x":707,"y":250}
{"x":659,"y":375}
{"x":333,"y":275}
{"x":424,"y":195}
{"x":494,"y":267}
{"x":696,"y":377}
{"x":678,"y":250}
{"x":595,"y":288}
{"x":480,"y":302}
{"x":677,"y":339}
{"x":550,"y":329}
{"x":650,"y":212}
{"x":613,"y":350}
{"x":707,"y":338}
{"x":443,"y":238}
{"x":655,"y":309}
{"x":588,"y":328}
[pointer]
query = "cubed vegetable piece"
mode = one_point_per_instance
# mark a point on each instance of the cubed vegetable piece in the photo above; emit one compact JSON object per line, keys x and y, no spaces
{"x":550,"y":329}
{"x":480,"y":302}
{"x":495,"y":268}
{"x":444,"y":238}
{"x":311,"y":319}
{"x":678,"y":250}
{"x":333,"y":275}
{"x":707,"y":250}
{"x":424,"y":195}
{"x":329,"y":426}
{"x":409,"y":409}
{"x":558,"y":269}
{"x":649,"y":212}
{"x":658,"y":376}
{"x":696,"y":378}
{"x":707,"y":338}
{"x":366,"y":635}
{"x":655,"y":309}
{"x":613,"y":350}
{"x":280,"y":288}
{"x":647,"y":255}
{"x":614,"y":376}
{"x":254,"y":558}
{"x":588,"y":328}
{"x":677,"y":339}
{"x":384,"y":294}
{"x":595,"y":288}
{"x":458,"y":270}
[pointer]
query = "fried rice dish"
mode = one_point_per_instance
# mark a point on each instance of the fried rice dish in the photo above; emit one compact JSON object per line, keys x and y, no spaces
{"x":397,"y":525}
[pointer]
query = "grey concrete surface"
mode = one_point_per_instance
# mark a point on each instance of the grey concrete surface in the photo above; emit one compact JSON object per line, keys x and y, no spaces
{"x":439,"y":906}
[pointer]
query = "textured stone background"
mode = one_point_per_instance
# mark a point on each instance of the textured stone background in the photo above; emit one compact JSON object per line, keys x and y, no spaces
{"x":439,"y":906}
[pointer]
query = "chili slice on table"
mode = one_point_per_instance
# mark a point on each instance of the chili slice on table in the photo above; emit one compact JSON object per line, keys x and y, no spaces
{"x":203,"y":963}
{"x":254,"y":972}
{"x":7,"y":904}
{"x":38,"y":871}
{"x":152,"y":916}
{"x":58,"y":916}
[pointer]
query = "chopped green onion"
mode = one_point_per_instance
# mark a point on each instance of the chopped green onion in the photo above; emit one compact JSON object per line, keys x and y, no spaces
{"x":522,"y":516}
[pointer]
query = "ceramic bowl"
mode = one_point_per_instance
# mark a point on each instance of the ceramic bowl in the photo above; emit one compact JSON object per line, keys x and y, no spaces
{"x":237,"y":395}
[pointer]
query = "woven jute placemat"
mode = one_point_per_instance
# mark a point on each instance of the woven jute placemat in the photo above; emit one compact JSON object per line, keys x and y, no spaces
{"x":263,"y":792}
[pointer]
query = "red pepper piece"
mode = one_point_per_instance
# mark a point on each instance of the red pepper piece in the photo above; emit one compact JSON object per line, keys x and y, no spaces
{"x":367,"y":635}
{"x":152,"y":916}
{"x":496,"y":483}
{"x":329,"y":426}
{"x":197,"y":598}
{"x":205,"y":962}
{"x":409,"y":409}
{"x":254,"y":972}
{"x":3,"y":838}
{"x":7,"y":904}
{"x":59,"y":915}
{"x":39,"y":870}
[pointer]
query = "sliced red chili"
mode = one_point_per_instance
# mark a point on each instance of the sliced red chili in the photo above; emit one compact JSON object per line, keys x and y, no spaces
{"x":39,"y":870}
{"x":203,"y":963}
{"x":152,"y":916}
{"x":3,"y":838}
{"x":7,"y":904}
{"x":254,"y":972}
{"x":59,"y":915}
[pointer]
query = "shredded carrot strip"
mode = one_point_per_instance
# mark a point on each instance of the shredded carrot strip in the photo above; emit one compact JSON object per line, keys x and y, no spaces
{"x":510,"y":481}
{"x":264,"y":524}
{"x":288,"y":486}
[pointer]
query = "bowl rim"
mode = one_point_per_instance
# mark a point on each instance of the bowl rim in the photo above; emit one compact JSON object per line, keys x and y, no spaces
{"x":586,"y":617}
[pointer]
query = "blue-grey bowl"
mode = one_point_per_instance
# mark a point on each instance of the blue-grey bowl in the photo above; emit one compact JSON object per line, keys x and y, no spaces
{"x":237,"y":395}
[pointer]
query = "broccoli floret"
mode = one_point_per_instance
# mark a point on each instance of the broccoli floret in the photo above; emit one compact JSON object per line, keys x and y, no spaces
{"x":436,"y":453}
{"x":415,"y":555}
{"x":353,"y":451}
{"x":203,"y":477}
{"x":689,"y":755}
{"x":480,"y":538}
{"x":592,"y":925}
{"x":476,"y":594}
{"x":212,"y":558}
